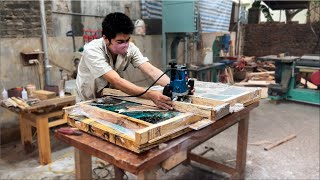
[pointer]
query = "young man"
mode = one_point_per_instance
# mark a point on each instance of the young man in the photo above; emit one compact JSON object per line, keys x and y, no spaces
{"x":105,"y":59}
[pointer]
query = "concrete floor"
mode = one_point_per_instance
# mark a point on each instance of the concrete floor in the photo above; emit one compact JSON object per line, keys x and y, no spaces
{"x":295,"y":159}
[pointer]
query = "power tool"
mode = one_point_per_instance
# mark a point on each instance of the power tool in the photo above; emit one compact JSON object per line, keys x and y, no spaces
{"x":180,"y":85}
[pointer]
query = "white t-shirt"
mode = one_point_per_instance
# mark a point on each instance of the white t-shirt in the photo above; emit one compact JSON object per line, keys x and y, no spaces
{"x":96,"y":61}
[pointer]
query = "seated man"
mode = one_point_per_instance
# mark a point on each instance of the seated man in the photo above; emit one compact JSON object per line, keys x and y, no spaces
{"x":105,"y":59}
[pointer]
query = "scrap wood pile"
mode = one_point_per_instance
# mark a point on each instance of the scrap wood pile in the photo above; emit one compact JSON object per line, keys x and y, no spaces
{"x":250,"y":72}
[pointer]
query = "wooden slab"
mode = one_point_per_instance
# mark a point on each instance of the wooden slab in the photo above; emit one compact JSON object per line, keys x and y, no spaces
{"x":52,"y":103}
{"x":207,"y":92}
{"x":43,"y":94}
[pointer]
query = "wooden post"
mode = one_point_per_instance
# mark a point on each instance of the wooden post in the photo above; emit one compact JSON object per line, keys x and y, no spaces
{"x":83,"y":164}
{"x":242,"y":142}
{"x":148,"y":173}
{"x":118,"y":173}
{"x":25,"y":133}
{"x":43,"y":140}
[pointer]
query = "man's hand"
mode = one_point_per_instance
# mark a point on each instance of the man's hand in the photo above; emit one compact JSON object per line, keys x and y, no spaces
{"x":162,"y":101}
{"x":192,"y":91}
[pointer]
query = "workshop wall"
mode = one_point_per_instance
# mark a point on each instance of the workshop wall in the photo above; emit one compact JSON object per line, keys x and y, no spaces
{"x":22,"y":19}
{"x":274,"y":38}
{"x":92,"y":14}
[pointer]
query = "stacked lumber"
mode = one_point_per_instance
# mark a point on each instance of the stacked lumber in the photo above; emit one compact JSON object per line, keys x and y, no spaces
{"x":258,"y":79}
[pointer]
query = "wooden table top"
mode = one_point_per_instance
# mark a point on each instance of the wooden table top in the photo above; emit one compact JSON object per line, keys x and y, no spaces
{"x":46,"y":105}
{"x":133,"y":162}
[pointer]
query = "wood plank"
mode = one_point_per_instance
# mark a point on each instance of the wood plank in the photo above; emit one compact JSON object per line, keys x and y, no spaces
{"x":83,"y":164}
{"x":43,"y":94}
{"x":288,"y":138}
{"x":211,"y":164}
{"x":201,"y":124}
{"x":52,"y":103}
{"x":206,"y":101}
{"x":200,"y":110}
{"x":174,"y":160}
{"x":115,"y":93}
{"x":57,"y":122}
{"x":165,"y":127}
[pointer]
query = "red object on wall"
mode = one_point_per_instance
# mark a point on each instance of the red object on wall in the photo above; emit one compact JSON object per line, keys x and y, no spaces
{"x":89,"y":35}
{"x":315,"y":78}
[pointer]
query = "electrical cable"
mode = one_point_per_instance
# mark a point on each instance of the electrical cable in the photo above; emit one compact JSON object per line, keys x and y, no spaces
{"x":138,"y":95}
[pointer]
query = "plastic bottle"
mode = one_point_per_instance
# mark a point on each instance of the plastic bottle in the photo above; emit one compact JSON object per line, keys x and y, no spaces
{"x":4,"y":94}
{"x":24,"y":94}
{"x":61,"y":93}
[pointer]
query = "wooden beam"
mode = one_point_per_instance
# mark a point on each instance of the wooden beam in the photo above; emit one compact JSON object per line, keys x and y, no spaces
{"x":57,"y":122}
{"x":43,"y":140}
{"x":200,"y":110}
{"x":174,"y":160}
{"x":165,"y":127}
{"x":83,"y":163}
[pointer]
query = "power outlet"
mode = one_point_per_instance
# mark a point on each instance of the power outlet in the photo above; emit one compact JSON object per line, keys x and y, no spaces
{"x":33,"y":61}
{"x":31,"y":58}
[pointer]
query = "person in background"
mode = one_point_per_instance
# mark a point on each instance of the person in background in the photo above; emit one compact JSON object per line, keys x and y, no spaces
{"x":104,"y":60}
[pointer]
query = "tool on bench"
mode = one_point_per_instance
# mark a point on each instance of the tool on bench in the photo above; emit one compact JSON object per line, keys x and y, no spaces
{"x":297,"y":78}
{"x":70,"y":131}
{"x":180,"y":86}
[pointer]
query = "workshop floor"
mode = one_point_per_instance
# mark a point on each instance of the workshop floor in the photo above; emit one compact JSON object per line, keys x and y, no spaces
{"x":295,"y":159}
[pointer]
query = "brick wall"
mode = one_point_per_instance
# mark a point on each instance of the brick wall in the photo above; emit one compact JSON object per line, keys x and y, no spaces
{"x":22,"y":18}
{"x":275,"y":38}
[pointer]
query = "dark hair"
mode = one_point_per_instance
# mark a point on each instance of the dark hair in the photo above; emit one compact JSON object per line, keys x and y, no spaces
{"x":115,"y":23}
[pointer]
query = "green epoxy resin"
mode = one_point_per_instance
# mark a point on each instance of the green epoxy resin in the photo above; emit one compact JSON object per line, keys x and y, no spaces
{"x":120,"y":107}
{"x":153,"y":117}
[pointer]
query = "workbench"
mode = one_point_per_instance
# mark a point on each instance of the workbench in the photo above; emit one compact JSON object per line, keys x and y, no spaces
{"x":176,"y":151}
{"x":43,"y":115}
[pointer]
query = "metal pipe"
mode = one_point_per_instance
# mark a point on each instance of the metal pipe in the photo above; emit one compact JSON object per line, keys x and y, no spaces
{"x":164,"y":49}
{"x":186,"y":42}
{"x":44,"y":43}
{"x":238,"y":31}
{"x":77,"y":14}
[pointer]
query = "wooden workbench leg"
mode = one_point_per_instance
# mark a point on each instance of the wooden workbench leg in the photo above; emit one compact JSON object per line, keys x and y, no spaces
{"x":25,"y":133}
{"x":150,"y":173}
{"x":43,"y":140}
{"x":118,"y":173}
{"x":83,"y":163}
{"x":242,"y":142}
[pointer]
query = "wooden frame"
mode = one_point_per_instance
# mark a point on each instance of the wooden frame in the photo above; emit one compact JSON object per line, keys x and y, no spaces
{"x":146,"y":135}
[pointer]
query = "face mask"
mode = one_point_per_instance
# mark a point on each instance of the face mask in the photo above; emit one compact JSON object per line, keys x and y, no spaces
{"x":119,"y":48}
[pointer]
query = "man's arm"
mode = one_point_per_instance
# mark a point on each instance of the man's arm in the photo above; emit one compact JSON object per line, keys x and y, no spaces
{"x":154,"y":73}
{"x":119,"y":83}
